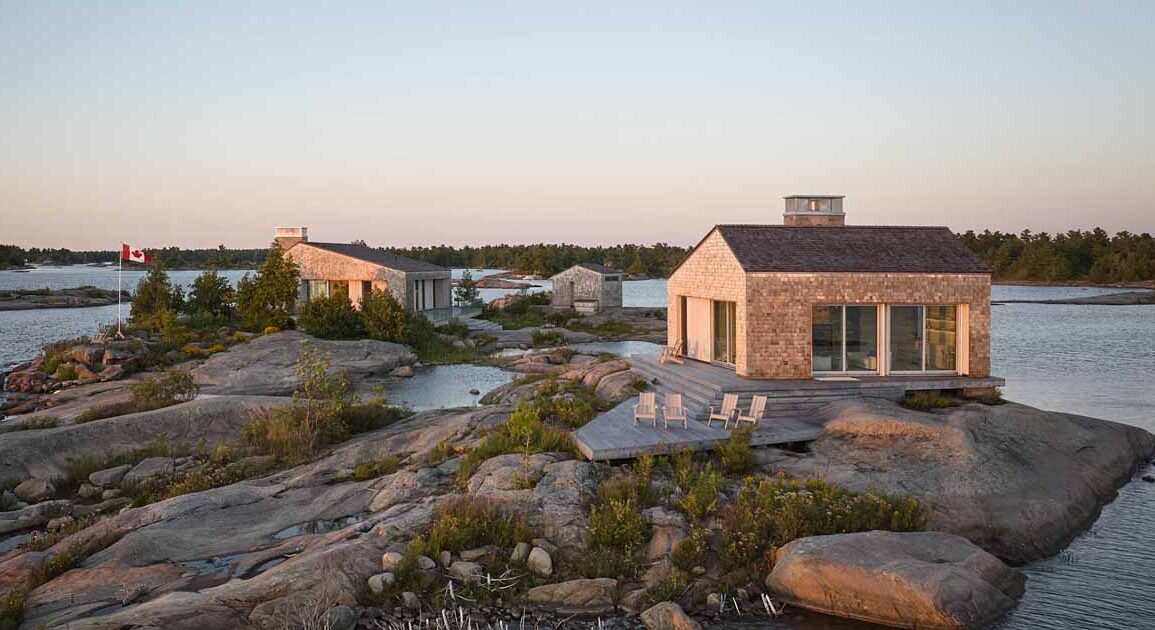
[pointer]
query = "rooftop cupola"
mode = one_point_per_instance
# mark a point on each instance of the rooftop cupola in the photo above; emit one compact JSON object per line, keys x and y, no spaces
{"x":820,"y":210}
{"x":287,"y":237}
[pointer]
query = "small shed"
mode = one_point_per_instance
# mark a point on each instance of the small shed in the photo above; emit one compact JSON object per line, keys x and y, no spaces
{"x":587,"y":288}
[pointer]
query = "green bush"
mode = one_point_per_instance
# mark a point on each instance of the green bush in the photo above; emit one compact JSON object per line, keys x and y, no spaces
{"x":454,"y":328}
{"x":617,"y":534}
{"x":527,"y":435}
{"x":770,"y":513}
{"x":66,"y":372}
{"x":927,"y":400}
{"x":169,"y":388}
{"x":691,"y":551}
{"x":383,"y":317}
{"x":317,"y":416}
{"x":735,"y":455}
{"x":366,"y":417}
{"x":156,"y":298}
{"x":38,"y":422}
{"x":266,"y":300}
{"x":670,"y":588}
{"x":700,"y":497}
{"x":468,"y":522}
{"x":989,"y":396}
{"x":106,"y":410}
{"x":548,"y":338}
{"x":211,"y":298}
{"x":331,"y":317}
{"x":377,"y":467}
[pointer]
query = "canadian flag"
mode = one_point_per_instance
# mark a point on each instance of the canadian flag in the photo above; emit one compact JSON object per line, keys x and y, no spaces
{"x":134,"y":255}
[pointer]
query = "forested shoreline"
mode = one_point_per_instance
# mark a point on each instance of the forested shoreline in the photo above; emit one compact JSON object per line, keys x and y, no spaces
{"x":1090,"y":256}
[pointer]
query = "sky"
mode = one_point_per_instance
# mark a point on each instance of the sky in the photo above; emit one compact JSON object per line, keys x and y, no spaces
{"x":409,"y":123}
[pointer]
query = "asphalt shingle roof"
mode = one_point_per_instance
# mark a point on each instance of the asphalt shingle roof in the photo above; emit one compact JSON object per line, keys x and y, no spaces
{"x":377,"y":257}
{"x":851,"y":248}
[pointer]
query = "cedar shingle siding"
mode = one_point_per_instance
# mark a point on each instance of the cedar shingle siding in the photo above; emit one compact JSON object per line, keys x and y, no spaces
{"x":775,"y":275}
{"x":587,"y":287}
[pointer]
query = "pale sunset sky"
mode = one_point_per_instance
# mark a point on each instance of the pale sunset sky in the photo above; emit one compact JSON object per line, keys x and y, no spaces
{"x":405,"y":123}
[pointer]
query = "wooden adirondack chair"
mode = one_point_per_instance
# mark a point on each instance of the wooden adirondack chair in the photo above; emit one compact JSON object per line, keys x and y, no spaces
{"x":646,"y":409}
{"x":726,"y":413}
{"x":673,"y":410}
{"x":757,"y":410}
{"x":671,"y":353}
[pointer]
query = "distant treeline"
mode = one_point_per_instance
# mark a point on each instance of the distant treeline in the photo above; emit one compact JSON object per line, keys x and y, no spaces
{"x":1091,"y":256}
{"x":1084,"y":256}
{"x":172,"y":257}
{"x":545,"y":260}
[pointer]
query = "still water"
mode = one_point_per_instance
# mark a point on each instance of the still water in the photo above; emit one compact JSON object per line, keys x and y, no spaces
{"x":1091,"y":360}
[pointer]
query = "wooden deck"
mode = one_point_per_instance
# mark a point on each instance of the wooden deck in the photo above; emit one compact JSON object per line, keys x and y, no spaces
{"x":792,"y":415}
{"x":613,"y":434}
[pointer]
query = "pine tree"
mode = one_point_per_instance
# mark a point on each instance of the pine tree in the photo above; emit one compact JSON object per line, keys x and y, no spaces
{"x":156,"y":297}
{"x":268,"y":299}
{"x":466,"y":290}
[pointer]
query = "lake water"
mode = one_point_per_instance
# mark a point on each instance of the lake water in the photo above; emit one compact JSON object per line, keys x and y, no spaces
{"x":1092,"y":360}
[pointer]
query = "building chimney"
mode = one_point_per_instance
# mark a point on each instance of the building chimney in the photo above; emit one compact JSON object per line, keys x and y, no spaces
{"x":287,"y":237}
{"x":814,"y":210}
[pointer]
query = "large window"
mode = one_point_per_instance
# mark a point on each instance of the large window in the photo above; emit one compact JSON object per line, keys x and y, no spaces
{"x":923,"y":338}
{"x":845,"y":338}
{"x":724,"y":326}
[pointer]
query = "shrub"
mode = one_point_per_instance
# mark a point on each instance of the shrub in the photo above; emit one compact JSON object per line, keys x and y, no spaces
{"x":51,"y":364}
{"x":453,"y":328}
{"x":771,"y":513}
{"x":169,"y":388}
{"x":367,"y":417}
{"x":106,"y":410}
{"x":468,"y":522}
{"x":378,"y":467}
{"x":316,"y":417}
{"x":383,"y":317}
{"x":439,"y":454}
{"x":156,"y":298}
{"x":700,"y":498}
{"x":267,"y":299}
{"x":617,"y":534}
{"x":331,"y":317}
{"x":211,"y":297}
{"x":66,"y":372}
{"x":927,"y":400}
{"x":670,"y":588}
{"x":735,"y":455}
{"x":691,"y":551}
{"x":526,"y":423}
{"x":34,"y":423}
{"x":989,"y":396}
{"x":548,"y":338}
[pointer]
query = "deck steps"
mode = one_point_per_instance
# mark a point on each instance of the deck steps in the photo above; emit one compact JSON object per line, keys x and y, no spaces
{"x":482,"y":325}
{"x":700,"y":391}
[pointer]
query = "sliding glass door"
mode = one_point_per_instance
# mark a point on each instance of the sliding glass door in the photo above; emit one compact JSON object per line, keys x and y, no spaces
{"x":923,"y":338}
{"x":724,"y":327}
{"x":845,"y":338}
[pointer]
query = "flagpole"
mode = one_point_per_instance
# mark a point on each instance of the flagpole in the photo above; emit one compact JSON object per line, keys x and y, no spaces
{"x":119,"y":290}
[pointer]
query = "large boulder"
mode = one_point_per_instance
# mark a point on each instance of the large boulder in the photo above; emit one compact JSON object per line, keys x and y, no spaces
{"x":668,"y":616}
{"x":1017,"y":481}
{"x":267,"y":365}
{"x":577,"y":597}
{"x":149,"y":469}
{"x":109,"y":477}
{"x":907,"y":580}
{"x":34,"y":490}
{"x":617,"y":386}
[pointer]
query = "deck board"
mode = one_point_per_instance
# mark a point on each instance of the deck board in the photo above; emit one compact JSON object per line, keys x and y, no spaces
{"x":613,"y":434}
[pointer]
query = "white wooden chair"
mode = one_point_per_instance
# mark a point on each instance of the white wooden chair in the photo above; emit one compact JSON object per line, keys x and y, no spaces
{"x":757,"y":410}
{"x":672,"y":353}
{"x":726,"y":413}
{"x":646,"y":409}
{"x":673,"y":410}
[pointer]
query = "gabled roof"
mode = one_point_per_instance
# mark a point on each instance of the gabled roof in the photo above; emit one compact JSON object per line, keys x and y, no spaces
{"x":594,"y":267}
{"x":376,"y":256}
{"x":850,"y":248}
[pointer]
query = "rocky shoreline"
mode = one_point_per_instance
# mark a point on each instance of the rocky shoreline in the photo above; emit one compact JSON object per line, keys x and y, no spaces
{"x":1125,"y":298}
{"x":79,"y":297}
{"x":1000,"y":485}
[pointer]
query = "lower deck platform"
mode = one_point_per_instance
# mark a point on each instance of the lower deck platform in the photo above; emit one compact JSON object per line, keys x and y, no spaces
{"x":613,"y":434}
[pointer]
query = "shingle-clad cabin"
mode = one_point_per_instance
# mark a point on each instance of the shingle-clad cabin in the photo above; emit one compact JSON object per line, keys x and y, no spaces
{"x":587,"y":288}
{"x":817,"y":298}
{"x":355,"y":269}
